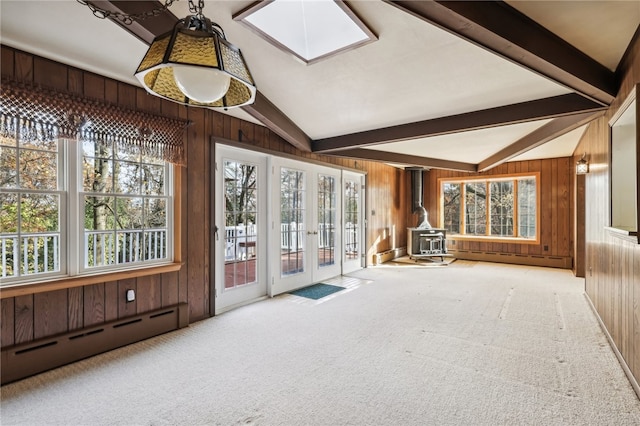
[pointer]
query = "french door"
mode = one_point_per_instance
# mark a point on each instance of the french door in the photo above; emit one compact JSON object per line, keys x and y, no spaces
{"x":306,"y":222}
{"x":352,"y":221}
{"x":241,"y":221}
{"x":280,"y":225}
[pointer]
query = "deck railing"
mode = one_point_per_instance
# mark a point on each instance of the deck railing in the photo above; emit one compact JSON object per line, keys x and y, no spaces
{"x":29,"y":254}
{"x":292,"y":238}
{"x":114,"y":248}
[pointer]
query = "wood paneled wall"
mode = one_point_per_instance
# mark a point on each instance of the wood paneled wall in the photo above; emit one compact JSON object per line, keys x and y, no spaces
{"x":556,"y":207}
{"x":33,"y":316}
{"x":612,"y":264}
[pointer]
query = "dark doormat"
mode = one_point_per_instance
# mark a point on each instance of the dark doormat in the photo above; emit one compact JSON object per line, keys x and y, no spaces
{"x":317,"y":291}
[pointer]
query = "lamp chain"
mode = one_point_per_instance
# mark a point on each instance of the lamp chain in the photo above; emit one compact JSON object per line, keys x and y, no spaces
{"x":197,"y":10}
{"x":128,"y":19}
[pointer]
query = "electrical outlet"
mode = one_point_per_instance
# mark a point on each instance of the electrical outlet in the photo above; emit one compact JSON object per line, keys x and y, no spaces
{"x":131,"y":295}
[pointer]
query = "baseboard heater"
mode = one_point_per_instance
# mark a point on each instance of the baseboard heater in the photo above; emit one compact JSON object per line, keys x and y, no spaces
{"x":388,"y":255}
{"x":24,"y":360}
{"x":519,"y":259}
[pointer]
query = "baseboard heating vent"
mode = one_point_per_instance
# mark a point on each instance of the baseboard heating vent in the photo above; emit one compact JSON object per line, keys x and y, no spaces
{"x":520,"y":259}
{"x":388,"y":255}
{"x":24,"y":360}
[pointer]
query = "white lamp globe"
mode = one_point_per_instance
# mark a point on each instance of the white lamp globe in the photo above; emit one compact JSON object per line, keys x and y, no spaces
{"x":204,"y":85}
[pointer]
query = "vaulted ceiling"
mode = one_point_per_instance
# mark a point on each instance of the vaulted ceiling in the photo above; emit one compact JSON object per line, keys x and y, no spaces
{"x":458,"y":85}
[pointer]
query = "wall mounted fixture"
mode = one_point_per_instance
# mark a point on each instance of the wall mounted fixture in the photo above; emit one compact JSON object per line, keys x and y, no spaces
{"x":582,"y":166}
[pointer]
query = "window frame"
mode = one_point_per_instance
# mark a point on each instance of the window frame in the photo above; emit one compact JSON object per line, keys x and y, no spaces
{"x":61,"y":191}
{"x":462,"y":180}
{"x":79,"y":193}
{"x":72,"y":270}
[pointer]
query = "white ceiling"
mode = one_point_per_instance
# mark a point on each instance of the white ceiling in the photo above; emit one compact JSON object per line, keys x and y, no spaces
{"x":414,"y":72}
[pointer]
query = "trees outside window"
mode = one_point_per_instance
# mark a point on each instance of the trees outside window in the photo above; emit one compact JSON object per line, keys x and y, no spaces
{"x":31,"y":206}
{"x":500,"y":207}
{"x":125,"y":205}
{"x":56,"y":218}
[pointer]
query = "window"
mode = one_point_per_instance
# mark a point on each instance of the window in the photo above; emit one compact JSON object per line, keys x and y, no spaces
{"x":31,"y":207}
{"x":111,"y":210}
{"x":126,"y":204}
{"x":85,"y":187}
{"x":499,"y":207}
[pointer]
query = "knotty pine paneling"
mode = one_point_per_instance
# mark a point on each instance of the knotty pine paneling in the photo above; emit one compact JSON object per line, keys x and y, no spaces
{"x":149,"y":293}
{"x":7,"y":324}
{"x":93,"y":311}
{"x":611,"y":264}
{"x":111,"y":299}
{"x":23,"y":318}
{"x":169,"y":289}
{"x":75,"y":308}
{"x":50,"y":313}
{"x":556,"y":211}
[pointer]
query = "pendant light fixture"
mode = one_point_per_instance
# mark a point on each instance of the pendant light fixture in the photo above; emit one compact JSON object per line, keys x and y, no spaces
{"x":195,"y":65}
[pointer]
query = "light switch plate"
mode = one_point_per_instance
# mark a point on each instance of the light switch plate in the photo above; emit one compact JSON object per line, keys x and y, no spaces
{"x":131,"y":295}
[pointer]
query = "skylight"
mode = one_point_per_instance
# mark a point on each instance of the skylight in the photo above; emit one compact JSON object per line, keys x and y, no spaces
{"x":310,"y":29}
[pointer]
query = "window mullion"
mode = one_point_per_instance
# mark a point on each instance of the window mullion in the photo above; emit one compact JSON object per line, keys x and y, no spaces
{"x":463,"y":207}
{"x":516,"y":227}
{"x":487,"y":201}
{"x":74,"y":222}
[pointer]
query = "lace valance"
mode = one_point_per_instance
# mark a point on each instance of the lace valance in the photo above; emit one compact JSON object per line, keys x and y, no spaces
{"x":39,"y":114}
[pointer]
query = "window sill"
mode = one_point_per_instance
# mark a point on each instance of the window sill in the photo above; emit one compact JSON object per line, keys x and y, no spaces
{"x":13,"y":290}
{"x":623,"y":234}
{"x":488,"y":239}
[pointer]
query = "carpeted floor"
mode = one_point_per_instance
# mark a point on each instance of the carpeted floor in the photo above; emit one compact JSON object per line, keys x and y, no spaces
{"x":469,"y":344}
{"x":419,"y":262}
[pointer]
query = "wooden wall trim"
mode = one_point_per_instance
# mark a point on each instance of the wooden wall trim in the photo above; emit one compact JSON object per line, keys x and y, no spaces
{"x":611,"y":262}
{"x":623,"y":362}
{"x":66,"y":283}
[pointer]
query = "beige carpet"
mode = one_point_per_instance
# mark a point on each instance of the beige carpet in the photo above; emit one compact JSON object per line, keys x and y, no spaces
{"x":419,"y":262}
{"x":469,"y":344}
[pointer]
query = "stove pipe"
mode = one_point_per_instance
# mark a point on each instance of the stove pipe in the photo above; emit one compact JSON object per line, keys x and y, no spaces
{"x":416,"y":198}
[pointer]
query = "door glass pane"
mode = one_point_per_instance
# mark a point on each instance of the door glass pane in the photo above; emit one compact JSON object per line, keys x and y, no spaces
{"x":326,"y":220}
{"x":351,"y":226}
{"x":241,"y":215}
{"x":292,"y":226}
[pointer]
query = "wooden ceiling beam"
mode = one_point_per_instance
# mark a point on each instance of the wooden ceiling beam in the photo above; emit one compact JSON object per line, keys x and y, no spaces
{"x":542,"y":135}
{"x":503,"y":30}
{"x":269,"y":115}
{"x":540,"y":109}
{"x":145,"y":29}
{"x":405,"y":159}
{"x":148,"y":29}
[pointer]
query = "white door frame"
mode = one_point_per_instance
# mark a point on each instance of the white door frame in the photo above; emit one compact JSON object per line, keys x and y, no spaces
{"x":353,"y":264}
{"x":268,"y":250}
{"x":228,"y":298}
{"x":311,"y":235}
